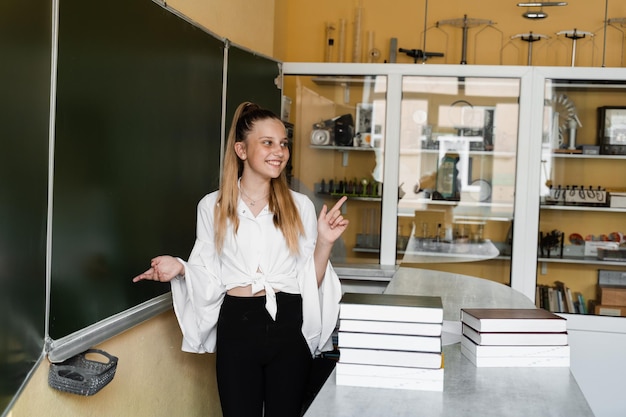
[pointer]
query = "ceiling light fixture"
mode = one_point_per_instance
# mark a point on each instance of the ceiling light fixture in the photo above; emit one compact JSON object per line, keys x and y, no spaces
{"x":543,"y":3}
{"x":539,"y":14}
{"x":535,"y":15}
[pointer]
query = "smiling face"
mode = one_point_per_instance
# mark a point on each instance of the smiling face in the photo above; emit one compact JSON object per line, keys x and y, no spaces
{"x":264,"y":151}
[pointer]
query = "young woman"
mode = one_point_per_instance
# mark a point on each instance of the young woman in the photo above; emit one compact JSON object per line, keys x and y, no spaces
{"x":258,"y":288}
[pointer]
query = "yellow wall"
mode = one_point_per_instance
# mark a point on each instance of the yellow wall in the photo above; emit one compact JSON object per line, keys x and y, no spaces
{"x":153,"y":378}
{"x":244,"y":22}
{"x":295,"y":30}
{"x":300,"y":31}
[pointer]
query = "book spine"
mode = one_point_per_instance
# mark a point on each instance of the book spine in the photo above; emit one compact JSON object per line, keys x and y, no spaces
{"x":390,"y":383}
{"x":501,"y":362}
{"x":389,"y":342}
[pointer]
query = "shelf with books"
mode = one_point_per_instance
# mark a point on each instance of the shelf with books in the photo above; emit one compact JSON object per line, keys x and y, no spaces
{"x":583,"y":166}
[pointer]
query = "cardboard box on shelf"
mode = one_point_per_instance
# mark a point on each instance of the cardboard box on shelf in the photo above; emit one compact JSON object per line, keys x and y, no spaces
{"x":612,"y":295}
{"x":592,"y":246}
{"x":617,"y":200}
{"x":606,"y":310}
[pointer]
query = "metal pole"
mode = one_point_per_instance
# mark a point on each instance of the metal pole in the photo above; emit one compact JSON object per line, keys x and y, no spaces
{"x":425,"y":29}
{"x":574,"y":35}
{"x":606,"y":11}
{"x":530,"y":38}
{"x":464,"y":46}
{"x":465,"y":23}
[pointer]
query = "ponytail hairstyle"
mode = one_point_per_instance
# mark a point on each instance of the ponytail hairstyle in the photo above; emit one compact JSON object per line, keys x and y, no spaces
{"x":286,"y":215}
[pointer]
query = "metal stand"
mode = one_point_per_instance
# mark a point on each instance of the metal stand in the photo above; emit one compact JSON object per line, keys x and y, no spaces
{"x":419,"y":54}
{"x":574,"y":35}
{"x":572,"y":125}
{"x":614,"y":22}
{"x":530,"y":38}
{"x":465,"y":23}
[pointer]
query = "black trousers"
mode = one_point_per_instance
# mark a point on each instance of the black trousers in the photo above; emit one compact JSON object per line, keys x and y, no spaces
{"x":263,"y":366}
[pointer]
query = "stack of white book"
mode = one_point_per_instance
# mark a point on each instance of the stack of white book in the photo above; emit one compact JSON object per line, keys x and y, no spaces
{"x":390,"y":341}
{"x":500,"y":337}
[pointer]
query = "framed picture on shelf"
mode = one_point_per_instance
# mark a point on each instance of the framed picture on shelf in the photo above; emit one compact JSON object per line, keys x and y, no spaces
{"x":476,"y":122}
{"x":485,"y":130}
{"x":363,"y":129}
{"x":612,"y":129}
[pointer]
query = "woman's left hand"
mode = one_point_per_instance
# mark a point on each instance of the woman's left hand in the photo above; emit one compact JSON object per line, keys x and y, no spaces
{"x":331,"y":223}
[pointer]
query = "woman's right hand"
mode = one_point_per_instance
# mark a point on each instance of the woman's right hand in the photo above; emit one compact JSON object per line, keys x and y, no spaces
{"x":162,"y":268}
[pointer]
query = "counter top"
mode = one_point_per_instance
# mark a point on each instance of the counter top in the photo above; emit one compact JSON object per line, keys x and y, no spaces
{"x":456,"y":290}
{"x":468,"y":392}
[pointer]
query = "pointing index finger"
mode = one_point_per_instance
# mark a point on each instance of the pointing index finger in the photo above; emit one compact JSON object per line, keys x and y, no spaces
{"x":339,"y":203}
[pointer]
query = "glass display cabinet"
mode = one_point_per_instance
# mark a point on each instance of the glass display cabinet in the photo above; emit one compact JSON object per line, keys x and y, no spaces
{"x":426,"y":154}
{"x":517,"y":176}
{"x":530,"y":161}
{"x":457,"y":169}
{"x":582,"y":212}
{"x":338,"y":131}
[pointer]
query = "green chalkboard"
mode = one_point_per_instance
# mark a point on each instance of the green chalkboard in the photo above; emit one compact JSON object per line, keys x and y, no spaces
{"x":251,"y":78}
{"x":137,"y":143}
{"x":25,"y":53}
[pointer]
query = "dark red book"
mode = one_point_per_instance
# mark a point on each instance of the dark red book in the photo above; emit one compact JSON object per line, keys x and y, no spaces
{"x":534,"y":320}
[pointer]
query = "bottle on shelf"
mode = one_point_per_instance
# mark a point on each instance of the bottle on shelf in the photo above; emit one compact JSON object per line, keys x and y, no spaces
{"x":447,"y":177}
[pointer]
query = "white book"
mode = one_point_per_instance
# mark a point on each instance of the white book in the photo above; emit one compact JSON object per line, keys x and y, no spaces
{"x":534,"y":320}
{"x":389,"y":377}
{"x":391,"y":358}
{"x":388,"y":342}
{"x":391,"y":307}
{"x":516,"y":339}
{"x":513,"y":362}
{"x":391,"y":327}
{"x":529,"y":351}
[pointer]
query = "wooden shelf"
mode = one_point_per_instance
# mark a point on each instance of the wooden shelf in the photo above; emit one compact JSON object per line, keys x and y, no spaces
{"x":409,"y":151}
{"x":343,"y":80}
{"x":583,"y":208}
{"x":586,"y":156}
{"x":351,"y":197}
{"x":587,"y":260}
{"x":344,"y":148}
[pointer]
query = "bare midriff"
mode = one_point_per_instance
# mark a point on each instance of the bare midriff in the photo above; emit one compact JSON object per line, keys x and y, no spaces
{"x":245,"y":292}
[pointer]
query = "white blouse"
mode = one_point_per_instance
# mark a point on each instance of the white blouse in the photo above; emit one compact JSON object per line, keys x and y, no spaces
{"x":257,"y":255}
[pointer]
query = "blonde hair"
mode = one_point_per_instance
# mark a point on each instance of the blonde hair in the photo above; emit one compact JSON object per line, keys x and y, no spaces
{"x":286,"y":215}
